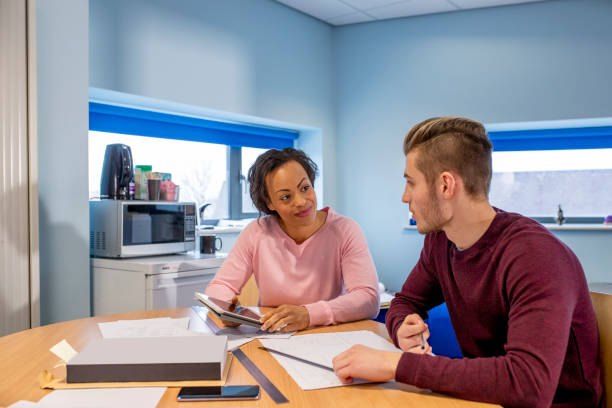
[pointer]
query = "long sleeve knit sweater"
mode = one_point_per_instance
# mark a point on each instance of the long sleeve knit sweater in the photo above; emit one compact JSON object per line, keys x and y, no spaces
{"x":331,"y":273}
{"x":521,"y":310}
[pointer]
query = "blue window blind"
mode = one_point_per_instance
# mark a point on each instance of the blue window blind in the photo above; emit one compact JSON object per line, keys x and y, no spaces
{"x":593,"y":137}
{"x":132,"y":121}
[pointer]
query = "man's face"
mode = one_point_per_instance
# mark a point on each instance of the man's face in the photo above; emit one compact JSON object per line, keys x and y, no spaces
{"x":425,"y":205}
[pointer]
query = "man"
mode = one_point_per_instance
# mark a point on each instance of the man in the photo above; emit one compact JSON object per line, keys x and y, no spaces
{"x":516,"y":295}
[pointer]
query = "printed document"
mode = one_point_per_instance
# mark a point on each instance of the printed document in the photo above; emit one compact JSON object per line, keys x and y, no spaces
{"x":321,"y":349}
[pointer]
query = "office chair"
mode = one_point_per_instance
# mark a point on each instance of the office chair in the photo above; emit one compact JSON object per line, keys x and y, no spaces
{"x":601,"y":294}
{"x":442,"y":335}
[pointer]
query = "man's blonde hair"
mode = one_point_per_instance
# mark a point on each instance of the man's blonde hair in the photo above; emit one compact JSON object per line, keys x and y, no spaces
{"x":453,"y":144}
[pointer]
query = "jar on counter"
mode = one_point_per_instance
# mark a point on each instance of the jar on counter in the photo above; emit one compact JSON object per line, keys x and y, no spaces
{"x":140,"y":181}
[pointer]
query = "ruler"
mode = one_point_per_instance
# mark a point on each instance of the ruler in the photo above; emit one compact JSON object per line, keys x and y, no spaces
{"x":260,"y":377}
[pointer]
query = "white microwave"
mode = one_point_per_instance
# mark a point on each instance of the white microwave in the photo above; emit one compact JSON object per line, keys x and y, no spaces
{"x":129,"y":228}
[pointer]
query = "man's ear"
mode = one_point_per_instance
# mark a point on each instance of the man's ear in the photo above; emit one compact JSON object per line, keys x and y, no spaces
{"x":448,"y":184}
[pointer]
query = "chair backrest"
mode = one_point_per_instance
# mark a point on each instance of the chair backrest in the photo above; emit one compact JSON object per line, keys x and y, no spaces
{"x":601,"y":294}
{"x":249,"y":295}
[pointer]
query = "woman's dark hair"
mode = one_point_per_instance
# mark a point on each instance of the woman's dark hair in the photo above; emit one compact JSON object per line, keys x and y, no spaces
{"x":267,"y":163}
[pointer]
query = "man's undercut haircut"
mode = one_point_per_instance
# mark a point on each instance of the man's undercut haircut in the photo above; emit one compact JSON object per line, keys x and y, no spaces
{"x":453,"y":144}
{"x":265,"y":164}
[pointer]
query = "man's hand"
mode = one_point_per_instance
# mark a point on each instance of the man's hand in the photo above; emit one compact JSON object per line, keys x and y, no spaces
{"x":286,"y":318}
{"x":364,"y":362}
{"x":409,"y":335}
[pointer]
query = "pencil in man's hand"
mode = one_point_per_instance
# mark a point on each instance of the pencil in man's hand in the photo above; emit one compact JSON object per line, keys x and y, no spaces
{"x":422,"y":342}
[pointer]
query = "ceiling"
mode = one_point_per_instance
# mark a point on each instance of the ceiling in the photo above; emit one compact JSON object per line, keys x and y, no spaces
{"x":340,"y":12}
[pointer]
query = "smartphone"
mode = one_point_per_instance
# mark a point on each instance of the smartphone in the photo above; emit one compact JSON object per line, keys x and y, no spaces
{"x":216,"y":393}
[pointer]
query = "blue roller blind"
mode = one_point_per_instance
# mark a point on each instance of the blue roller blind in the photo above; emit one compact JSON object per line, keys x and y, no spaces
{"x":132,"y":121}
{"x":595,"y":137}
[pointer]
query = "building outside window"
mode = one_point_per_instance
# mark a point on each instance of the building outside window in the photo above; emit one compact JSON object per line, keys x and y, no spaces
{"x":536,"y":169}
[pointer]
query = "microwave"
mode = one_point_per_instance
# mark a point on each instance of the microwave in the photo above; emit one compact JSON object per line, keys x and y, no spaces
{"x":129,"y":228}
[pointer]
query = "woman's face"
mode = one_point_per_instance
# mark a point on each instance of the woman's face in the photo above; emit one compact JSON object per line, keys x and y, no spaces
{"x":291,"y":195}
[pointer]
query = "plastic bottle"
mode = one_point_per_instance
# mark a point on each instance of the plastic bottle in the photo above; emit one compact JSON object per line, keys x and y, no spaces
{"x":131,"y":189}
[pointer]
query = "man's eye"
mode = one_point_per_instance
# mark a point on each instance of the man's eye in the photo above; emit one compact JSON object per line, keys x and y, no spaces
{"x":306,"y":187}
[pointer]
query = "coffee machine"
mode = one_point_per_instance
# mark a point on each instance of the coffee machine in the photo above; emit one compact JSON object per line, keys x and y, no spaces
{"x":117,"y":172}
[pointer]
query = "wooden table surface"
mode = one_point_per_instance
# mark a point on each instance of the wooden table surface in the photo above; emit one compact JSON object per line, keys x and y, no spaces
{"x":25,"y":354}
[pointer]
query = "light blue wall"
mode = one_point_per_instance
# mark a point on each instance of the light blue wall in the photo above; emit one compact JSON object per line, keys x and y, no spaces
{"x":62,"y":30}
{"x":545,"y":60}
{"x":250,"y":57}
{"x":364,"y":85}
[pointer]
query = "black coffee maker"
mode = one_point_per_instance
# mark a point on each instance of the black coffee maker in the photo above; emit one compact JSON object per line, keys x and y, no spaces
{"x":117,"y":171}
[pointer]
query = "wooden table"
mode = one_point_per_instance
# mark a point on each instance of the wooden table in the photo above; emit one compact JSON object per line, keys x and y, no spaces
{"x":25,"y":354}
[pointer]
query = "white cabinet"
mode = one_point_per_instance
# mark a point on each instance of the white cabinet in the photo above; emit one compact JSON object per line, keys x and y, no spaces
{"x":159,"y":282}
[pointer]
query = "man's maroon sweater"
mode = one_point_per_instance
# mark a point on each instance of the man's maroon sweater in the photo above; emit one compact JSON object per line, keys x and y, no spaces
{"x":521,"y":310}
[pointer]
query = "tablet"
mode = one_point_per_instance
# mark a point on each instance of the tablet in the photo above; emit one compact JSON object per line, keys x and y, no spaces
{"x":226,"y":311}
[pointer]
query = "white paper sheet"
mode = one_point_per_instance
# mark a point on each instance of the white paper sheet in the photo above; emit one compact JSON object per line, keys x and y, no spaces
{"x":98,"y":398}
{"x":24,"y":404}
{"x":159,"y":327}
{"x":321,"y":349}
{"x":64,"y":351}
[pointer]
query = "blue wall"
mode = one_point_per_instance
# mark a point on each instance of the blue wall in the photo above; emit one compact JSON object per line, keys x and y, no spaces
{"x":256,"y":58}
{"x":365,"y":85}
{"x":537,"y":61}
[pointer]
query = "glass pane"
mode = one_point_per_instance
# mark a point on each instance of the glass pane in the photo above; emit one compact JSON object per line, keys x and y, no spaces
{"x":153,"y":224}
{"x":249,"y":155}
{"x":534,"y":183}
{"x":200,"y":169}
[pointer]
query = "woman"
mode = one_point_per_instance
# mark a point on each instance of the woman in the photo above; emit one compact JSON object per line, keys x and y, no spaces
{"x":312,"y":265}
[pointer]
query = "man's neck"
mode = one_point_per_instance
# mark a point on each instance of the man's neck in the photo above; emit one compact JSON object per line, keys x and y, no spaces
{"x":469,"y":222}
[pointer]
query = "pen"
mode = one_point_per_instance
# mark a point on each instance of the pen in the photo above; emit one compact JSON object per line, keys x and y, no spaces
{"x":422,"y":342}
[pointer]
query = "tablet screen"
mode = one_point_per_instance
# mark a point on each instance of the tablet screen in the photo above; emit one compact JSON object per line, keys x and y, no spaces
{"x":228,"y":307}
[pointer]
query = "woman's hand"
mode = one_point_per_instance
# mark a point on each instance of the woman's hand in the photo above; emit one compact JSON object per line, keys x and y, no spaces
{"x":234,"y":303}
{"x":286,"y":318}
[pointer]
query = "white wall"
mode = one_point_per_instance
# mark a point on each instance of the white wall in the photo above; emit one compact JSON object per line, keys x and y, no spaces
{"x":538,"y":61}
{"x":62,"y":31}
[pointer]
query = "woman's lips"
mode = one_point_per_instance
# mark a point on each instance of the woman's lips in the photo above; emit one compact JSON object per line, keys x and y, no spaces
{"x":304,"y":213}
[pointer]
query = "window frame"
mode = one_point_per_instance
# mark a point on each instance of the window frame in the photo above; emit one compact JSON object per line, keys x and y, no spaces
{"x":236,"y":181}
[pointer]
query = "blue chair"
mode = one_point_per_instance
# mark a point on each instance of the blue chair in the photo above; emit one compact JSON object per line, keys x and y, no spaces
{"x":442,"y":339}
{"x":442,"y":335}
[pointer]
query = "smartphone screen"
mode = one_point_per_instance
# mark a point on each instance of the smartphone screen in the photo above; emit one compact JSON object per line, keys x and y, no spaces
{"x":226,"y":392}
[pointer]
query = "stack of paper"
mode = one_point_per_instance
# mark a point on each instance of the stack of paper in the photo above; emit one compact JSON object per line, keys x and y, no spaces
{"x":175,"y":358}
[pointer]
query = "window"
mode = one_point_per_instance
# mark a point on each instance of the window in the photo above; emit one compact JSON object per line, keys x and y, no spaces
{"x":208,"y":159}
{"x":200,"y":169}
{"x":536,"y":170}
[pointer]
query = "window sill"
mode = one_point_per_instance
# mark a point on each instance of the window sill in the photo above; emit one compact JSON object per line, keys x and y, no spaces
{"x":579,"y":227}
{"x":556,"y":227}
